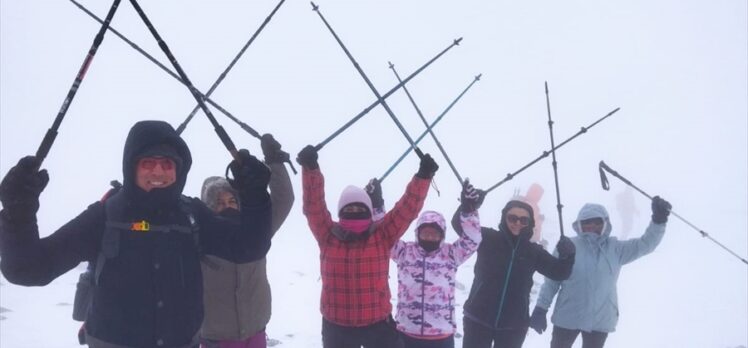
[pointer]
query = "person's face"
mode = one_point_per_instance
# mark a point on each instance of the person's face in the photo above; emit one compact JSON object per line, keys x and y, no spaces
{"x":594,"y":225}
{"x":516,"y":219}
{"x":429,"y":233}
{"x":155,"y":172}
{"x":353,"y":208}
{"x":226,"y":200}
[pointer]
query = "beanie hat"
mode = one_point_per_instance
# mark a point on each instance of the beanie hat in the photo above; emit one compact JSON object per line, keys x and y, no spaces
{"x":212,"y":187}
{"x":353,"y":194}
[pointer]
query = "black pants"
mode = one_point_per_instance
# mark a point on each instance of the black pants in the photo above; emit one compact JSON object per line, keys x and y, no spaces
{"x":564,"y":338}
{"x":378,"y":335}
{"x":411,"y":342}
{"x":480,"y":336}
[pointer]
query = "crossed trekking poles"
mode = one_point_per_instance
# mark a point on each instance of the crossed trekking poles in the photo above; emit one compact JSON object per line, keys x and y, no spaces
{"x":203,"y":99}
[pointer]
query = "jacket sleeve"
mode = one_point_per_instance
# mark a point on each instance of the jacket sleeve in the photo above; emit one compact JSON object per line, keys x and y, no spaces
{"x":281,"y":195}
{"x":26,"y":259}
{"x":632,"y":249}
{"x":314,"y":205}
{"x":547,"y":293}
{"x":396,"y":221}
{"x":469,"y":240}
{"x":241,"y":240}
{"x":551,"y":266}
{"x":457,"y":222}
{"x":397,"y":251}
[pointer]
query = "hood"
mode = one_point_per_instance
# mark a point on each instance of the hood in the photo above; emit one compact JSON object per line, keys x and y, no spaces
{"x":589,"y":211}
{"x":147,"y":134}
{"x":527,"y":231}
{"x":212,"y":186}
{"x":431,"y":217}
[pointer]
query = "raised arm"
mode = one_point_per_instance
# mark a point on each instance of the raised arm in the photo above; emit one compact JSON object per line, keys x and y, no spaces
{"x":470,"y":236}
{"x":313,"y":194}
{"x":632,"y":249}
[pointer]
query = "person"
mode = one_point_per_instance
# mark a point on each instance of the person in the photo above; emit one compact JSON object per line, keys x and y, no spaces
{"x":426,"y":272}
{"x":146,"y":240}
{"x":237,"y":295}
{"x":497,"y":308}
{"x":588,"y":301}
{"x":354,"y":255}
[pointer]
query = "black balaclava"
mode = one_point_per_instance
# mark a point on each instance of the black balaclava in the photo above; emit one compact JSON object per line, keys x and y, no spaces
{"x":526,"y":232}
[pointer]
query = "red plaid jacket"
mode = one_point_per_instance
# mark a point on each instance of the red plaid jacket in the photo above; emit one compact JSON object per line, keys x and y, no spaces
{"x":355,"y":291}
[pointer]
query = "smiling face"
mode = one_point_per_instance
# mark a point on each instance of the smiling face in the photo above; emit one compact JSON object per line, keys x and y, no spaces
{"x":155,"y":172}
{"x":516,"y":219}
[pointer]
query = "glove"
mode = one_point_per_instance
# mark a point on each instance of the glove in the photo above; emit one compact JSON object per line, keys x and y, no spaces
{"x":307,"y":157}
{"x":20,"y":190}
{"x":374,"y":190}
{"x":251,"y":178}
{"x":427,"y":168}
{"x":271,"y":149}
{"x":660,"y":210}
{"x":565,"y":247}
{"x":471,"y":198}
{"x":538,"y":321}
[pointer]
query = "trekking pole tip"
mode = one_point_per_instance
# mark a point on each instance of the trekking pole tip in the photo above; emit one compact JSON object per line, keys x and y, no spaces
{"x":314,"y":6}
{"x":457,"y":41}
{"x":392,"y":66}
{"x":546,"y":87}
{"x":477,"y":77}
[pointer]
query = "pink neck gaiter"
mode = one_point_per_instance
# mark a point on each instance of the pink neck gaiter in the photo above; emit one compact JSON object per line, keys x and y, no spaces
{"x":355,"y":225}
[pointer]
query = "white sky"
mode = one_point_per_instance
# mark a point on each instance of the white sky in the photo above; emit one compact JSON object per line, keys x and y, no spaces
{"x":677,"y":69}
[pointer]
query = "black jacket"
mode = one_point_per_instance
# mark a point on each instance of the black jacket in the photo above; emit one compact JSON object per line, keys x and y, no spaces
{"x":503,"y":278}
{"x":150,"y":293}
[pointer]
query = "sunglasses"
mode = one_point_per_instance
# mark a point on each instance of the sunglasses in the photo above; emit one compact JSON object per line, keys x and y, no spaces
{"x":149,"y":163}
{"x":523,"y":220}
{"x":595,"y":221}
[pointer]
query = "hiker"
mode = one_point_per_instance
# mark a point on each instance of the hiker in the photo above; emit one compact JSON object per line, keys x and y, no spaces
{"x":497,"y":309}
{"x":354,"y":255}
{"x":237,"y":295}
{"x":146,"y":240}
{"x":587,"y":301}
{"x":427,"y":269}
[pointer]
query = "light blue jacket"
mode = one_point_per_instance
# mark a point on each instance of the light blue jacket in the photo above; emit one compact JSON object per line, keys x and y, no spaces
{"x":588,"y":300}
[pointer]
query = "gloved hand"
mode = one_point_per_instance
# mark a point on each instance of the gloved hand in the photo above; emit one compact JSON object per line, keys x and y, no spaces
{"x":307,"y":157}
{"x":271,"y":149}
{"x":251,"y":178}
{"x":427,"y":168}
{"x":374,"y":190}
{"x":20,"y":190}
{"x":538,"y":321}
{"x":660,"y":210}
{"x":565,"y":247}
{"x":471,"y":198}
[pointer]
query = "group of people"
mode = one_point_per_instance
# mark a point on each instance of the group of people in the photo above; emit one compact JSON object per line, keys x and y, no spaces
{"x":172,"y":271}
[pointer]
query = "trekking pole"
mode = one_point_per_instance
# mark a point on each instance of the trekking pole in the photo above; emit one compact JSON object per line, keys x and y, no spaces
{"x":49,"y":137}
{"x":228,"y":68}
{"x":438,"y":118}
{"x":366,"y":110}
{"x":606,"y":186}
{"x":559,"y":206}
{"x":198,"y":96}
{"x":428,"y":129}
{"x":511,"y":176}
{"x":386,"y":107}
{"x":218,"y":107}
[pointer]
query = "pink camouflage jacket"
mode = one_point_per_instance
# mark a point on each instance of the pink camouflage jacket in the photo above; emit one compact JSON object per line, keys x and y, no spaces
{"x":426,"y":280}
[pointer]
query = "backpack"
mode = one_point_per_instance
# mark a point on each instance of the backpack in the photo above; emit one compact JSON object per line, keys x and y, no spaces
{"x":88,"y":280}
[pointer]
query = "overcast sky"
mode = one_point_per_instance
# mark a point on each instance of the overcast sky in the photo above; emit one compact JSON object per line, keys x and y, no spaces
{"x":677,"y":69}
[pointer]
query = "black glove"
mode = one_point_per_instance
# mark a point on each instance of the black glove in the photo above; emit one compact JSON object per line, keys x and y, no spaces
{"x":251,"y":178}
{"x":374,"y":190}
{"x":565,"y":247}
{"x":20,"y":190}
{"x":271,"y":149}
{"x":427,"y":168}
{"x":470,"y":197}
{"x":538,"y":321}
{"x":660,"y":210}
{"x":307,"y":157}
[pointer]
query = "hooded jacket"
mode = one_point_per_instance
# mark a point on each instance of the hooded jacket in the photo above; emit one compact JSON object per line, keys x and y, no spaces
{"x":500,"y":295}
{"x":355,"y":267}
{"x":426,"y":280}
{"x":588,"y":300}
{"x":237,"y":295}
{"x":149,"y":291}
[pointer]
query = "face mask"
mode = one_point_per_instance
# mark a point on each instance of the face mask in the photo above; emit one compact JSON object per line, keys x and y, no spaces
{"x":229,"y":213}
{"x":429,"y":246}
{"x":355,"y":225}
